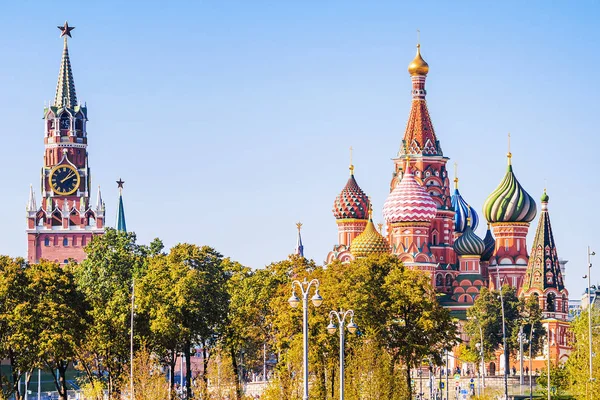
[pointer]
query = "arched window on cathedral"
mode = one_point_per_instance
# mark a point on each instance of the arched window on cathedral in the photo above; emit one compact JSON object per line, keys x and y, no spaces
{"x":46,"y":241}
{"x":551,"y":302}
{"x":565,"y":304}
{"x":448,"y":280}
{"x":439,"y":280}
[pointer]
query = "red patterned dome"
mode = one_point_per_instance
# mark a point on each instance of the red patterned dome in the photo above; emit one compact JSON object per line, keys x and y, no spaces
{"x":352,"y":202}
{"x":409,"y":202}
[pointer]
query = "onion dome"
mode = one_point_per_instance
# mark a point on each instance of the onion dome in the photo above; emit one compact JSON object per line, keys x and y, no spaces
{"x":370,"y":241}
{"x":352,"y":202}
{"x":490,"y":245}
{"x":509,"y":202}
{"x":462,"y":210}
{"x":545,"y":197}
{"x":469,"y":243}
{"x":409,"y":202}
{"x":418,"y":66}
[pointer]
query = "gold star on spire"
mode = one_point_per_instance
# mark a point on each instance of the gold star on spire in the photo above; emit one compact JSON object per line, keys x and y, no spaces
{"x":65,"y":30}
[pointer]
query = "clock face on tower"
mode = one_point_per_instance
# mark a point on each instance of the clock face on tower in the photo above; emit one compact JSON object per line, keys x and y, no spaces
{"x":64,"y":179}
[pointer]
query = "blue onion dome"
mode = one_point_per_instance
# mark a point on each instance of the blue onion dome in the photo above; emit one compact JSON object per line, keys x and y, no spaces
{"x":509,"y":202}
{"x":469,"y":244}
{"x":352,"y":202}
{"x":490,"y":245}
{"x":370,"y":241}
{"x":461,"y":210}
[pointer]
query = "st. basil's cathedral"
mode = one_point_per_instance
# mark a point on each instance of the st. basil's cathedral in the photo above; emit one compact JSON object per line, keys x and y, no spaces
{"x":431,"y":227}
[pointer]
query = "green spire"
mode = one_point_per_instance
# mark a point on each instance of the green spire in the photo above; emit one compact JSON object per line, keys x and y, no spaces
{"x":121,"y":225}
{"x":65,"y":88}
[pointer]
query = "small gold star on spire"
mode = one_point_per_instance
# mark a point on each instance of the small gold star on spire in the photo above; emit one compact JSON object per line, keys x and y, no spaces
{"x":65,"y":30}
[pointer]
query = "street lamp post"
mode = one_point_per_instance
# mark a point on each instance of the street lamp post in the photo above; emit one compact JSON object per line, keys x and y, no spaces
{"x":294,"y":301}
{"x":504,"y":345}
{"x":131,"y":339}
{"x":548,"y":380}
{"x":331,"y":328}
{"x":481,"y":349}
{"x":521,"y":338}
{"x":530,"y":365}
{"x":589,"y":276}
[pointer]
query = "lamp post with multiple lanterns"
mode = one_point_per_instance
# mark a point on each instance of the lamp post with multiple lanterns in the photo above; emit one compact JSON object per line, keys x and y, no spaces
{"x":294,"y":301}
{"x":352,"y":328}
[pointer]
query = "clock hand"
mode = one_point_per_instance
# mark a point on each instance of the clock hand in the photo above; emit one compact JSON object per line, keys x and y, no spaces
{"x":68,"y":176}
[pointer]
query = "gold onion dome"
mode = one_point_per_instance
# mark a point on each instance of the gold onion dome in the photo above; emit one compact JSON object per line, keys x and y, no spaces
{"x":418,"y":66}
{"x":370,"y":241}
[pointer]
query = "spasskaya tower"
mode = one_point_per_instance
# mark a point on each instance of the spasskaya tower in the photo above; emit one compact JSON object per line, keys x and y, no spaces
{"x":65,"y":221}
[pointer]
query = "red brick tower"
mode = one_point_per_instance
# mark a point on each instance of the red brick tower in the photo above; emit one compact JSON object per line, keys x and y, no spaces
{"x":509,"y":210}
{"x":544,"y":281}
{"x":428,"y":165}
{"x":65,"y":221}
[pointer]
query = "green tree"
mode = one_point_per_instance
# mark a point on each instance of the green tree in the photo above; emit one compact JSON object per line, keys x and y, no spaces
{"x":558,"y":382}
{"x":105,"y":279}
{"x":59,"y":311}
{"x":184,"y":294}
{"x":577,"y":366}
{"x":417,"y":326}
{"x":486,"y":314}
{"x":17,"y":327}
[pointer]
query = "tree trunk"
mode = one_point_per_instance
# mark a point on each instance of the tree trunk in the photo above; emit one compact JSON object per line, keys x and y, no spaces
{"x":236,"y":373}
{"x":172,"y":363}
{"x":188,"y":370}
{"x":204,"y":369}
{"x":62,"y":372}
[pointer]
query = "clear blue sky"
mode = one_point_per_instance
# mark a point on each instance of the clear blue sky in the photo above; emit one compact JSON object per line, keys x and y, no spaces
{"x":231,"y":120}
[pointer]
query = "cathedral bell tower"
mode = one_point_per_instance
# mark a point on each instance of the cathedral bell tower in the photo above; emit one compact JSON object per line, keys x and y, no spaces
{"x":65,"y":222}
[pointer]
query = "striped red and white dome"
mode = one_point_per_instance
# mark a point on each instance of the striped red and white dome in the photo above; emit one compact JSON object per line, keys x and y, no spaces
{"x":409,"y":202}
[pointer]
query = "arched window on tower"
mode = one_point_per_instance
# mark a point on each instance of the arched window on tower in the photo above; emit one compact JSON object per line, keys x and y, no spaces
{"x":65,"y":122}
{"x":551,"y":302}
{"x":565,"y":304}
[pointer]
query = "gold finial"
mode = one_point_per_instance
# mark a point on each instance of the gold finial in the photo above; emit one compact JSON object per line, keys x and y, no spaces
{"x":380,"y":227}
{"x":455,"y":175}
{"x":509,"y":155}
{"x":299,"y":226}
{"x":370,"y":212}
{"x":351,"y":165}
{"x":418,"y":66}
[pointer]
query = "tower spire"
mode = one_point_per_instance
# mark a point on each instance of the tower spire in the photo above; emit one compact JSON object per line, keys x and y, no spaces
{"x":120,"y":225}
{"x":299,"y":247}
{"x":65,"y":88}
{"x":31,"y":205}
{"x":455,"y":175}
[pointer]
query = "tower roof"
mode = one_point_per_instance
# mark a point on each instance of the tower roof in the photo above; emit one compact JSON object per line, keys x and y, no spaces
{"x":352,"y":202}
{"x":419,"y":136}
{"x":299,"y":246}
{"x":509,"y":202}
{"x":462,"y":211}
{"x":469,"y":243}
{"x":490,"y":245}
{"x":543,"y":267}
{"x":120,"y":225}
{"x":370,"y":241}
{"x":409,"y":202}
{"x":418,"y":66}
{"x":65,"y":88}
